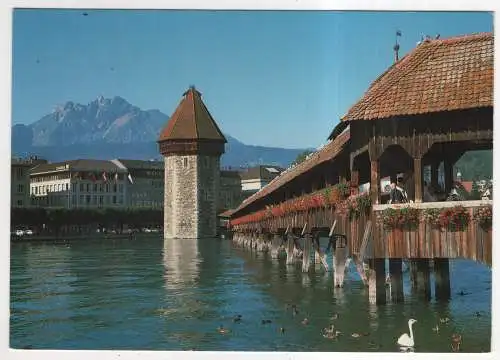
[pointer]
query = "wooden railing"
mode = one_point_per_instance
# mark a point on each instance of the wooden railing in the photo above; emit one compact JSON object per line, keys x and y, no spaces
{"x":430,"y":241}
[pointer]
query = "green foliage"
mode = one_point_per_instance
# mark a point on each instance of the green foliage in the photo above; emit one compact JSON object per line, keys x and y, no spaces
{"x":301,"y":157}
{"x":476,"y":164}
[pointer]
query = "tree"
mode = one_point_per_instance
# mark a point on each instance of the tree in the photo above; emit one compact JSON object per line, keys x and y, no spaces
{"x":301,"y":157}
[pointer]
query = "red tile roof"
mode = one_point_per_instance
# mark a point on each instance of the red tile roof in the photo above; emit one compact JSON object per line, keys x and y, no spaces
{"x":467,"y":185}
{"x":438,"y":75}
{"x":191,"y":121}
{"x":328,"y":152}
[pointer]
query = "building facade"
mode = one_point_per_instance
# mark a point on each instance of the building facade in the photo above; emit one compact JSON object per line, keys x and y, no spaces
{"x":231,"y":194}
{"x":145,"y":183}
{"x":20,"y":180}
{"x":255,"y":178}
{"x":191,"y":144}
{"x":79,"y":183}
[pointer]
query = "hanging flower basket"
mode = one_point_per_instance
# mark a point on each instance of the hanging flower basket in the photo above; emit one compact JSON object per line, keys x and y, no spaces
{"x":454,"y":219}
{"x":406,"y":218}
{"x":484,"y":217}
{"x":343,"y":190}
{"x":431,"y":217}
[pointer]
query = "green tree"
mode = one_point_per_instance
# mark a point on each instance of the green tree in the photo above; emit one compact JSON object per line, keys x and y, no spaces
{"x":301,"y":157}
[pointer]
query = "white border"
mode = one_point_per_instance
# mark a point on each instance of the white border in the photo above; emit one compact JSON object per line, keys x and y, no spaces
{"x":5,"y":108}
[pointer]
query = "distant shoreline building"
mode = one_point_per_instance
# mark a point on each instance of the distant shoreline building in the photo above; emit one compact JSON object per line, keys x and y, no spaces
{"x":20,"y":180}
{"x":82,"y":183}
{"x":191,"y":144}
{"x":255,"y":178}
{"x":145,"y":186}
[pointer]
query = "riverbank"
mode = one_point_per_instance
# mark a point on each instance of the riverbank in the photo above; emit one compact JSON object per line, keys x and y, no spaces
{"x":79,"y":237}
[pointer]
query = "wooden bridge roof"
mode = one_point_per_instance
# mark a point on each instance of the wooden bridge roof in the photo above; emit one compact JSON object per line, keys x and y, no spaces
{"x":191,"y":121}
{"x":438,"y":75}
{"x":328,"y":152}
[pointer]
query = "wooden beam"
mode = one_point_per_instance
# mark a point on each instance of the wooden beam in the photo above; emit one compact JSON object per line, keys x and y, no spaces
{"x":304,"y":229}
{"x":332,"y":228}
{"x":375,"y":181}
{"x":355,"y":154}
{"x":417,"y":167}
{"x":448,"y":176}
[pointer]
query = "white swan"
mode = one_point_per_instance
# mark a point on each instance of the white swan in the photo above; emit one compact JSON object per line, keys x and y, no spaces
{"x":405,"y":340}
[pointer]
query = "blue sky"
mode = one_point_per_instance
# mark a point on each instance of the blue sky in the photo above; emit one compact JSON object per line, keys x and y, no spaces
{"x":268,"y":78}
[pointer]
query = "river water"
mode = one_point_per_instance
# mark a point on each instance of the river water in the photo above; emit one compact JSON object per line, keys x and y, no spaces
{"x":147,"y":294}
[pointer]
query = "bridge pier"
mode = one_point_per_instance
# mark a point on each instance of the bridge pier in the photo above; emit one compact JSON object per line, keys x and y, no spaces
{"x":290,"y":247}
{"x":442,"y":278}
{"x":306,"y":254}
{"x":396,"y":273}
{"x":376,"y":281}
{"x":275,"y":244}
{"x":412,"y":264}
{"x":423,"y":278}
{"x":340,"y":256}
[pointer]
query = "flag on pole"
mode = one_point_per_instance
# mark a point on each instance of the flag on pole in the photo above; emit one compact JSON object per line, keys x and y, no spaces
{"x":130,"y":178}
{"x":104,"y":177}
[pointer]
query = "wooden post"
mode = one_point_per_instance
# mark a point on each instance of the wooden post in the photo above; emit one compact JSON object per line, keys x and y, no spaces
{"x":376,"y":281}
{"x":375,"y":181}
{"x":306,"y":253}
{"x":442,"y":276}
{"x":396,"y":272}
{"x":354,"y":182}
{"x":448,"y":176}
{"x":417,"y":169}
{"x":423,"y":278}
{"x":413,"y":273}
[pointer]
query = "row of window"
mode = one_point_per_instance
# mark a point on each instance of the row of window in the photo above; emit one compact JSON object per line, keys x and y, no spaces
{"x":98,"y":187}
{"x":98,"y":200}
{"x":89,"y":200}
{"x":44,"y":189}
{"x":19,"y":173}
{"x":54,"y":177}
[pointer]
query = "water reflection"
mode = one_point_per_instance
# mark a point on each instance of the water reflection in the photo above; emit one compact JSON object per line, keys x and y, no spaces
{"x":181,"y":260}
{"x":156,"y":295}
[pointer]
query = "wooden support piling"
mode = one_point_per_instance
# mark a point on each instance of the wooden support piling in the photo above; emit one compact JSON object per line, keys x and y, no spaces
{"x":376,"y":281}
{"x":413,"y":273}
{"x":339,"y":263}
{"x":423,"y":278}
{"x":306,"y":255}
{"x":396,"y":279}
{"x":289,"y":249}
{"x":442,"y":279}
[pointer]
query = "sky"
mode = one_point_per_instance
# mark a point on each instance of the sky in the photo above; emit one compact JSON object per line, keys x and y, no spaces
{"x":277,"y":78}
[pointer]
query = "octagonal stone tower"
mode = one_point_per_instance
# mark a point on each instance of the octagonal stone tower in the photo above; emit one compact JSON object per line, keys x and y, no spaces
{"x":191,"y":144}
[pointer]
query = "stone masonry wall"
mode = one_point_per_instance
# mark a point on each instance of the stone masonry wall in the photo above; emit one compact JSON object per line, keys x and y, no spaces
{"x":181,"y":197}
{"x":208,"y":195}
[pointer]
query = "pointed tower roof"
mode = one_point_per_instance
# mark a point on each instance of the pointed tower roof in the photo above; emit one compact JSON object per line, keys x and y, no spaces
{"x":192,"y":121}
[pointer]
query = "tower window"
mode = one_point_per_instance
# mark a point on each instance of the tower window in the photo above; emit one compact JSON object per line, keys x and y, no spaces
{"x":185,"y":162}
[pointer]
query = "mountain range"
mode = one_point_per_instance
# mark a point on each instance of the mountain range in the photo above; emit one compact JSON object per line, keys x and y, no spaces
{"x":113,"y":128}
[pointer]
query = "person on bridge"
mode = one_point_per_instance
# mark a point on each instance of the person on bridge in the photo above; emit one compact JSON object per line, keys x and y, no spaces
{"x":397,"y":195}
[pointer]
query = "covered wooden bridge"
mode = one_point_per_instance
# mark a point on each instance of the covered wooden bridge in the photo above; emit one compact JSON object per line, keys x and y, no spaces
{"x":427,"y":109}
